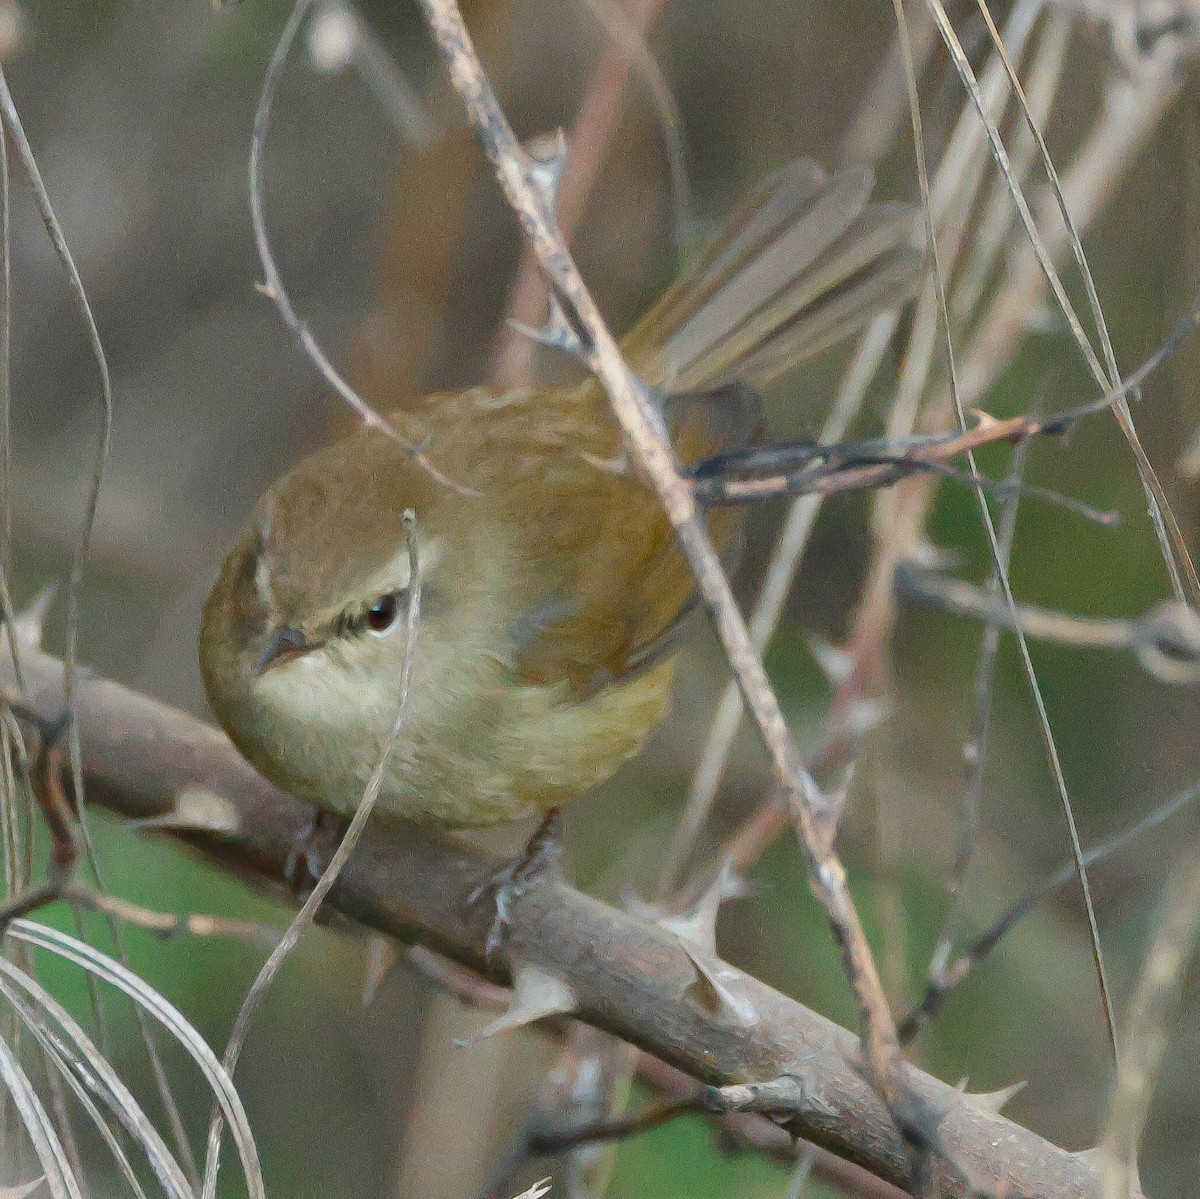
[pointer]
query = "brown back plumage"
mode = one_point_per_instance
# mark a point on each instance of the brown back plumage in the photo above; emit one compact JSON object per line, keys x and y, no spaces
{"x":806,"y":260}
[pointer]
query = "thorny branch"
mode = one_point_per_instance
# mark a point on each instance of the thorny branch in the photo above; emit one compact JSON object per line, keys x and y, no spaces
{"x":521,"y":179}
{"x":624,"y":974}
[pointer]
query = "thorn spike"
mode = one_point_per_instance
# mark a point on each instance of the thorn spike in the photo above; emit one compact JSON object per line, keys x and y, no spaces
{"x":990,"y":1103}
{"x":537,"y":1191}
{"x":198,"y":809}
{"x":536,"y":995}
{"x":936,"y":557}
{"x":333,"y":39}
{"x":547,"y":156}
{"x":555,"y":333}
{"x":698,"y":925}
{"x":865,"y":715}
{"x":30,"y":623}
{"x":836,"y":664}
{"x":382,"y":957}
{"x":618,"y":466}
{"x":710,"y":991}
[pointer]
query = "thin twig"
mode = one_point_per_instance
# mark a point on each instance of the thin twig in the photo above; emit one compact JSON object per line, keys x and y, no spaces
{"x":651,"y":451}
{"x":630,"y":32}
{"x":308,"y":910}
{"x":992,"y":237}
{"x":924,"y":1154}
{"x":975,"y":752}
{"x":6,"y":458}
{"x":1164,"y":640}
{"x":546,"y":1142}
{"x":273,"y":286}
{"x":954,"y":971}
{"x":587,"y":148}
{"x":15,"y":130}
{"x":806,"y":468}
{"x":171,"y":924}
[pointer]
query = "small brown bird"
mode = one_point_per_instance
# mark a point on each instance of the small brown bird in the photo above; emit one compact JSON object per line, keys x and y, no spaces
{"x":554,"y":598}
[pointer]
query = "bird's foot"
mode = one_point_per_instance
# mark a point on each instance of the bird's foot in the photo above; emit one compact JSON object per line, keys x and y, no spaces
{"x":311,"y":849}
{"x":540,"y":857}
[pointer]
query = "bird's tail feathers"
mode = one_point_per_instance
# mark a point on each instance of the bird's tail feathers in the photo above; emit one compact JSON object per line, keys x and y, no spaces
{"x":804,"y":262}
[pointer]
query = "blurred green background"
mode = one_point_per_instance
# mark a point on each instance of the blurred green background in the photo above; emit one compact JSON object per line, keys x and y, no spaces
{"x":140,"y":115}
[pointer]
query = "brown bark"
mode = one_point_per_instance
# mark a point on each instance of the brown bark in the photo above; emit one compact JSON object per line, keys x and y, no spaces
{"x":628,"y":975}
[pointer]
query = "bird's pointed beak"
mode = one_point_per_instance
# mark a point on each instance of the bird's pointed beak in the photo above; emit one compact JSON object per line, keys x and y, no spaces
{"x":283,"y":644}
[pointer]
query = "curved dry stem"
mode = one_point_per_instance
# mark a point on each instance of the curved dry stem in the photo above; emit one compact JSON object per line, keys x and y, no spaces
{"x":11,"y":121}
{"x":998,"y":556}
{"x":329,"y":876}
{"x":273,"y":287}
{"x":157,"y":1008}
{"x":1166,"y":528}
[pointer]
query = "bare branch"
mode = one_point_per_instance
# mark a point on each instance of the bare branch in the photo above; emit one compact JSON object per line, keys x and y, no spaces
{"x":629,"y":976}
{"x":171,"y":924}
{"x":1164,"y":640}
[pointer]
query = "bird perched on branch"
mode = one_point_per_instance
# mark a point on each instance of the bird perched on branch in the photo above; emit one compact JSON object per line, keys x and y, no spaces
{"x":554,"y":592}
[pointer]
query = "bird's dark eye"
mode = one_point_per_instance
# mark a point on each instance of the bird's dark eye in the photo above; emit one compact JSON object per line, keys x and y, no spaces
{"x":382,"y":614}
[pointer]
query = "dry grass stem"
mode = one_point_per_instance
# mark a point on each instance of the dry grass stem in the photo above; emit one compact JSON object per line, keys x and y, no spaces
{"x":11,"y":126}
{"x":337,"y":863}
{"x":1146,"y":1036}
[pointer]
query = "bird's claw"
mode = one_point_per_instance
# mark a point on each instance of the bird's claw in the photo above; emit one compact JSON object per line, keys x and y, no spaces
{"x":507,"y":885}
{"x":308,"y":853}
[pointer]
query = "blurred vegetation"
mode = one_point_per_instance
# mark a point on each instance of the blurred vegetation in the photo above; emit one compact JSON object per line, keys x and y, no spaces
{"x":140,"y":114}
